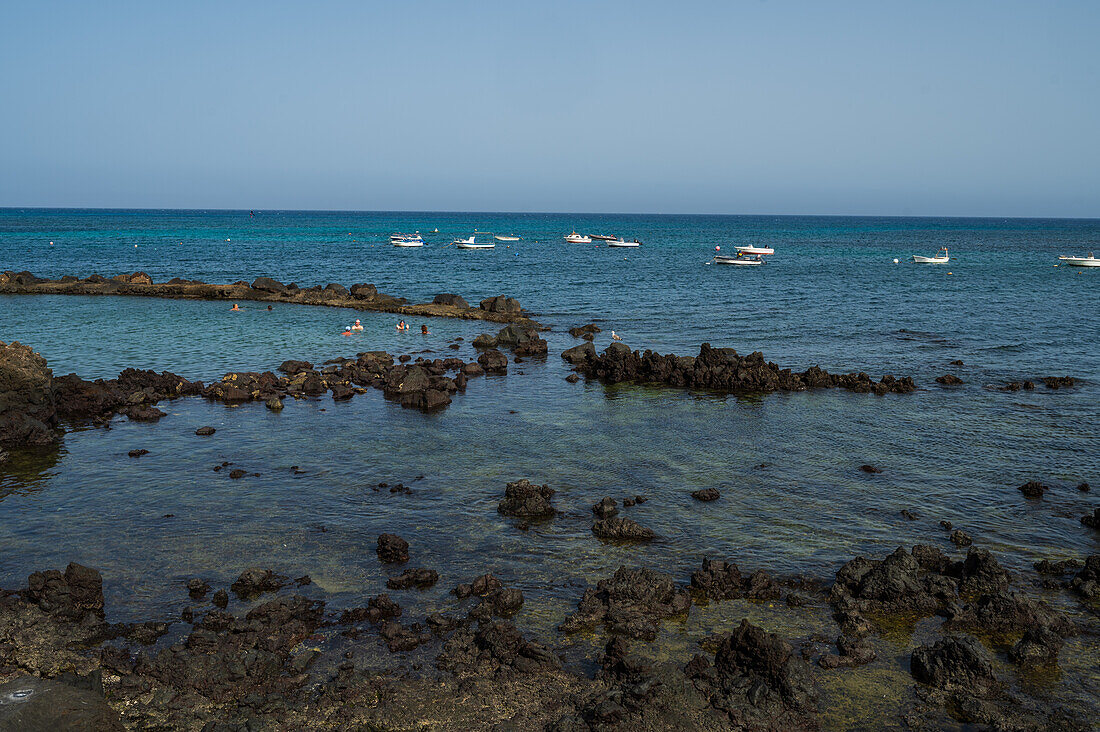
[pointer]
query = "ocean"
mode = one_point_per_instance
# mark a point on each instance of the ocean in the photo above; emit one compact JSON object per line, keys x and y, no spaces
{"x":793,"y":500}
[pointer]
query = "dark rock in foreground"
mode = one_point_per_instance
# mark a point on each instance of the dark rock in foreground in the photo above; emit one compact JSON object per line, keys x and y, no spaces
{"x":718,"y":368}
{"x":622,"y":529}
{"x":525,"y":499}
{"x":957,"y":662}
{"x":758,"y":681}
{"x":32,"y":704}
{"x":632,"y":603}
{"x":27,"y":412}
{"x":706,"y":494}
{"x":719,"y":580}
{"x":392,"y":549}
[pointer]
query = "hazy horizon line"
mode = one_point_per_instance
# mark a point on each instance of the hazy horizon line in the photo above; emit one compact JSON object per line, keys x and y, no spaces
{"x":547,"y":213}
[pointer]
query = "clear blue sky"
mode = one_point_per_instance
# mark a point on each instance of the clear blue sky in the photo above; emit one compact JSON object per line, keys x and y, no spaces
{"x":878,"y":107}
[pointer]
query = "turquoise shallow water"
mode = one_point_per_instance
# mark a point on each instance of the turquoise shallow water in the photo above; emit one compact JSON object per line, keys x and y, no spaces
{"x":793,"y":500}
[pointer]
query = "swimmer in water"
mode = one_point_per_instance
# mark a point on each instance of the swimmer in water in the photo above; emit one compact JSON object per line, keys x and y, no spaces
{"x":236,"y":308}
{"x":347,"y":331}
{"x":358,"y":325}
{"x":424,"y":330}
{"x":268,"y":307}
{"x":402,"y":326}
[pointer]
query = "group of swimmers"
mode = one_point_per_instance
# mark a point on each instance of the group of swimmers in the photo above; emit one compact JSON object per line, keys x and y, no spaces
{"x":401,"y":327}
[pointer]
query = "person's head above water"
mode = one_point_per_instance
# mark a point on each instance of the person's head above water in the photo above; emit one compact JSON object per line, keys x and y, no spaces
{"x":424,"y":329}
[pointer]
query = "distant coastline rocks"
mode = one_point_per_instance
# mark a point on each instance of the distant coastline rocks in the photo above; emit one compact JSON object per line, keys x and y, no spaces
{"x":501,"y":308}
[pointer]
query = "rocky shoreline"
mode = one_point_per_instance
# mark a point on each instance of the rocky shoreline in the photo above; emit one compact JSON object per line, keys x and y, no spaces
{"x":277,"y":658}
{"x":499,"y":309}
{"x":35,"y":403}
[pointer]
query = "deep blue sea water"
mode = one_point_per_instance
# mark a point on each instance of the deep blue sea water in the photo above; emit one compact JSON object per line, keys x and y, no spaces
{"x":793,"y":500}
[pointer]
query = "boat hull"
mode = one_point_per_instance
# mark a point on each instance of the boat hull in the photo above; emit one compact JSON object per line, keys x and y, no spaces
{"x":578,"y":239}
{"x":930,"y":260}
{"x":623,"y":244}
{"x":407,"y":244}
{"x":464,"y":245}
{"x":755,"y":250}
{"x":1081,"y":261}
{"x":738,"y":261}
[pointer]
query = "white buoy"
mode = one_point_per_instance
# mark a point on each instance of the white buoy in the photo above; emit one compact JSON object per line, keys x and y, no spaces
{"x":895,"y":260}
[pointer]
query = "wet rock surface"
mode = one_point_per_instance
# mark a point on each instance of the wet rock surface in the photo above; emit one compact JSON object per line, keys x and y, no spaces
{"x":719,"y":580}
{"x":957,"y":662}
{"x":617,"y":528}
{"x":525,"y":499}
{"x":719,"y":368}
{"x":28,"y":415}
{"x":632,"y":603}
{"x":757,"y":681}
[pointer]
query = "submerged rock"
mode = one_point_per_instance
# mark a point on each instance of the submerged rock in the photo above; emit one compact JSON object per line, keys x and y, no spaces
{"x":706,"y":494}
{"x":622,"y":529}
{"x":255,"y":581}
{"x":32,"y":704}
{"x":1086,"y":583}
{"x":419,"y":578}
{"x":205,"y":431}
{"x":1033,"y":489}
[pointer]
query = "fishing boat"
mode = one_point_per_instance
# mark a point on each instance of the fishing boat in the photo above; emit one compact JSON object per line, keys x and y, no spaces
{"x":471,"y":244}
{"x":1089,"y":261}
{"x":575,"y":238}
{"x":622,"y":243}
{"x":505,"y":238}
{"x":940,"y":258}
{"x":749,"y":249}
{"x":603,"y":237}
{"x":739,"y":260}
{"x":406,"y":240}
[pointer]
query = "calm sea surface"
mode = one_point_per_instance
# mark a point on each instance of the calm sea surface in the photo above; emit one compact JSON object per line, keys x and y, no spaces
{"x":793,"y":501}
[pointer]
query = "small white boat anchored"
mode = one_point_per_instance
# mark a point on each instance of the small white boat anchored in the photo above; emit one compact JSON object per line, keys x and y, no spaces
{"x":622,"y":243}
{"x":505,"y":238}
{"x":940,"y":258}
{"x":739,"y":260}
{"x":749,"y":249}
{"x":406,"y":240}
{"x":471,"y":244}
{"x":575,"y":238}
{"x":1089,"y":261}
{"x":603,"y":237}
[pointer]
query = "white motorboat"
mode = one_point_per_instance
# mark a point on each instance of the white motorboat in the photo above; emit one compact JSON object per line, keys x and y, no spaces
{"x":603,"y":237}
{"x":406,"y":240}
{"x":506,"y":238}
{"x":1089,"y":261}
{"x":740,"y":260}
{"x":471,"y":244}
{"x":749,"y":249}
{"x":622,"y":243}
{"x":575,"y":238}
{"x":940,"y":258}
